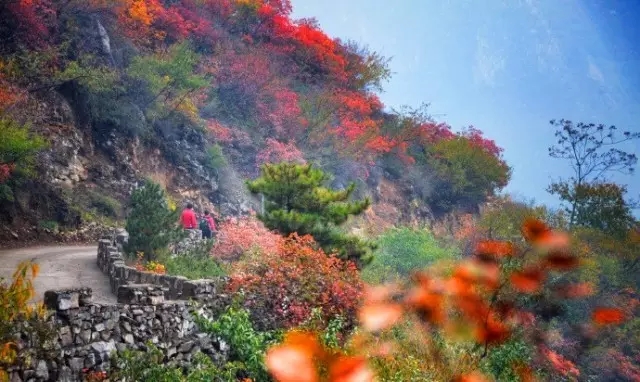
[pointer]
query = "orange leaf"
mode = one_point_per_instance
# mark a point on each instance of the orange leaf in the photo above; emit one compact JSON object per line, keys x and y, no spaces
{"x":533,"y":230}
{"x":492,"y":332}
{"x":473,"y":377}
{"x":379,"y":316}
{"x":303,"y":340}
{"x":527,"y":281}
{"x":494,"y":248}
{"x":35,"y":269}
{"x":289,"y":363}
{"x":350,"y":369}
{"x":430,"y":305}
{"x":607,"y":316}
{"x":561,"y":261}
{"x":473,"y":307}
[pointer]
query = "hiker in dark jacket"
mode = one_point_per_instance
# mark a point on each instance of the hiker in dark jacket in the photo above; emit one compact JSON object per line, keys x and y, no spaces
{"x":207,"y":225}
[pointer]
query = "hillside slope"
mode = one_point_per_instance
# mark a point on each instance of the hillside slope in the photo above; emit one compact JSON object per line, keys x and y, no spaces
{"x":196,"y":95}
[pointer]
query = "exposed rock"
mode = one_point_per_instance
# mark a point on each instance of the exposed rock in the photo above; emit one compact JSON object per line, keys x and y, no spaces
{"x":42,"y":371}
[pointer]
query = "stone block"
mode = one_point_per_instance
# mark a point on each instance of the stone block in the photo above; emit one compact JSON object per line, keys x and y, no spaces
{"x":61,"y":300}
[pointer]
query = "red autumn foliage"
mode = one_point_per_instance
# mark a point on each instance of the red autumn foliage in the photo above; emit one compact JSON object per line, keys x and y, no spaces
{"x":494,"y":248}
{"x":9,"y":94}
{"x":228,"y":135}
{"x":5,"y":171}
{"x":469,"y":298}
{"x":278,"y":108}
{"x":33,"y":20}
{"x":239,"y":235}
{"x":312,"y":50}
{"x":476,"y":138}
{"x":276,"y":151}
{"x":608,"y":316}
{"x":528,"y":280}
{"x":295,"y":278}
{"x":559,"y":363}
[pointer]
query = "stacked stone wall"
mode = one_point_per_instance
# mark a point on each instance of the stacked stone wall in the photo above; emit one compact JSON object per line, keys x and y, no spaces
{"x":151,"y":308}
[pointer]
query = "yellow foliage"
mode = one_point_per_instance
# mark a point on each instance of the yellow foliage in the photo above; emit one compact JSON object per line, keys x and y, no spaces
{"x":139,"y":12}
{"x":14,"y":304}
{"x":171,"y":203}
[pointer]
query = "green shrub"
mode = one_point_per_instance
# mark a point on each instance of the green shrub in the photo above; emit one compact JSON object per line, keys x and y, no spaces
{"x":167,"y":78}
{"x":500,"y":361}
{"x":49,"y":225}
{"x":400,"y":251}
{"x":248,"y":346}
{"x":18,"y":149}
{"x":151,"y":225}
{"x":149,"y":366}
{"x":466,"y":174}
{"x":194,"y":264}
{"x":215,"y":159}
{"x":104,"y":205}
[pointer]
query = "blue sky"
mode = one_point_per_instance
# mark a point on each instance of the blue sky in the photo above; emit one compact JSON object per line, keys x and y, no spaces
{"x":505,"y":66}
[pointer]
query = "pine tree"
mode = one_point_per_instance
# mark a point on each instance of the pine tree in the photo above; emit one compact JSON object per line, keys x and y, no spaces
{"x":151,"y":225}
{"x":297,"y":201}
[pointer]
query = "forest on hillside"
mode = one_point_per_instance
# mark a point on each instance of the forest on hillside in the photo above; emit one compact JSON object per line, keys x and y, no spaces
{"x":382,"y":246}
{"x":216,"y":81}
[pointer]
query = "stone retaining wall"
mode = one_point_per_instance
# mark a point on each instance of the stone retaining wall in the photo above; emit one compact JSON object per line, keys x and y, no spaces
{"x":150,"y":307}
{"x":111,"y":262}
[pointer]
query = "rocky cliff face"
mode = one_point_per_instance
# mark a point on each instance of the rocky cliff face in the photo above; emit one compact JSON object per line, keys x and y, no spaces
{"x":84,"y":178}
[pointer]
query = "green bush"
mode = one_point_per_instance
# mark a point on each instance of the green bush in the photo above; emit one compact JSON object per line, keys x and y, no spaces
{"x":248,"y":346}
{"x":151,"y":224}
{"x":49,"y":225}
{"x":400,"y":251}
{"x":104,"y":205}
{"x":465,"y":174}
{"x":149,"y":366}
{"x":500,"y":361}
{"x":195,"y":264}
{"x":167,"y":78}
{"x":18,"y":149}
{"x":215,"y":159}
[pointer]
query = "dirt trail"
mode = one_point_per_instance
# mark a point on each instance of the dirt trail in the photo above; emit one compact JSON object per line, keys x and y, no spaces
{"x":60,"y":268}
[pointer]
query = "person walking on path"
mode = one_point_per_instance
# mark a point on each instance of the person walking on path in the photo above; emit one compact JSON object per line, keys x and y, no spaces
{"x":188,"y":218}
{"x":207,"y":225}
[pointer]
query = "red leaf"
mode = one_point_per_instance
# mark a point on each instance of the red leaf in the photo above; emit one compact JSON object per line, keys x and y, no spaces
{"x":538,"y":233}
{"x":527,"y":281}
{"x":607,"y":316}
{"x":533,"y":230}
{"x":492,"y":332}
{"x":428,"y":304}
{"x":492,"y":248}
{"x":561,"y":261}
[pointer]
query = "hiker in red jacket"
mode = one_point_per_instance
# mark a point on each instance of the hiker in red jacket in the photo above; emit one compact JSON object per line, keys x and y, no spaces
{"x":188,"y":218}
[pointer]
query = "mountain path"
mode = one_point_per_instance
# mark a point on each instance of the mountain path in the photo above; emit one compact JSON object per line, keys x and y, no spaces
{"x":61,"y":267}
